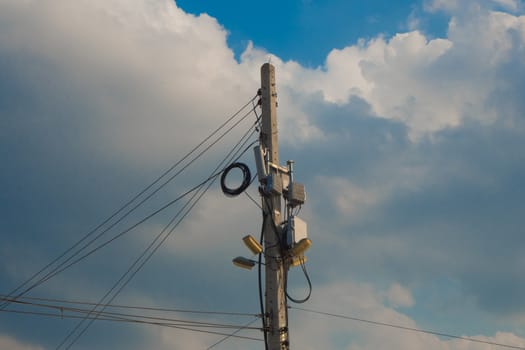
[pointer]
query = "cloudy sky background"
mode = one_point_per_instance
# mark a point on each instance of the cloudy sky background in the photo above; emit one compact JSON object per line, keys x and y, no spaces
{"x":405,"y":120}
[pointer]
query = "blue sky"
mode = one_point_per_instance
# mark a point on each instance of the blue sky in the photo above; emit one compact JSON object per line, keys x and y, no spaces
{"x":305,"y":31}
{"x":405,"y":121}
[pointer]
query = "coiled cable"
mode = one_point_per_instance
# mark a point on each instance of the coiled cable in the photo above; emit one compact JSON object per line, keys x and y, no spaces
{"x":246,"y":181}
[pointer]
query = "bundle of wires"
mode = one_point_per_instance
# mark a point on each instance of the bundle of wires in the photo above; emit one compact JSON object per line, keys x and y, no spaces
{"x":93,"y":240}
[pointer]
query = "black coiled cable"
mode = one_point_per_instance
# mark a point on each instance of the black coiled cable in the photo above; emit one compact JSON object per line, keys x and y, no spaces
{"x":246,"y":181}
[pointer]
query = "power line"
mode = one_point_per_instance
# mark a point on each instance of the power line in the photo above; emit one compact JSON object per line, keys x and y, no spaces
{"x":231,"y":335}
{"x":104,"y":222}
{"x":129,"y":273}
{"x":250,"y":197}
{"x":102,"y":245}
{"x":58,"y":269}
{"x":131,"y":307}
{"x":253,"y":200}
{"x":135,"y":321}
{"x":127,"y":316}
{"x":391,"y":325}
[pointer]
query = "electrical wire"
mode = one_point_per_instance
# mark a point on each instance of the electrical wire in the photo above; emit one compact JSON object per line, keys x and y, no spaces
{"x":139,"y":261}
{"x":250,"y":197}
{"x":135,"y":225}
{"x":232,"y":334}
{"x":275,"y":230}
{"x":187,"y":328}
{"x":57,"y":270}
{"x":130,"y":274}
{"x":391,"y":325}
{"x":298,"y":210}
{"x":152,"y":248}
{"x":133,"y":318}
{"x":267,"y":215}
{"x":257,"y":117}
{"x":130,"y":307}
{"x":259,"y":278}
{"x":253,"y":200}
{"x":104,"y":222}
{"x":102,"y":245}
{"x":129,"y":317}
{"x":305,"y":299}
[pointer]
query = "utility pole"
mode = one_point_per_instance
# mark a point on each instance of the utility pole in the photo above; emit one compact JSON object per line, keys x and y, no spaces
{"x":276,"y":266}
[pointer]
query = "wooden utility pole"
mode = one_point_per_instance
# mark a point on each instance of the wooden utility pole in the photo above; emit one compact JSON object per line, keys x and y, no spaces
{"x":276,"y":267}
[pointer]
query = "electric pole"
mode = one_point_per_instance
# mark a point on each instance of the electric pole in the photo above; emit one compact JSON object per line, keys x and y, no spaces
{"x":276,"y":266}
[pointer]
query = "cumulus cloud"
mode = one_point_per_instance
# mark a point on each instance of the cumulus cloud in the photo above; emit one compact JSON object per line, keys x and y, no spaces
{"x":457,"y":5}
{"x":115,"y":70}
{"x":397,"y":295}
{"x":363,"y":302}
{"x":427,"y":84}
{"x":7,"y":342}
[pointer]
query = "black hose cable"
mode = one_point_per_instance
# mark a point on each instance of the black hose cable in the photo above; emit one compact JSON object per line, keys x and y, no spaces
{"x":259,"y":274}
{"x":246,"y":181}
{"x":275,"y":230}
{"x":305,"y":299}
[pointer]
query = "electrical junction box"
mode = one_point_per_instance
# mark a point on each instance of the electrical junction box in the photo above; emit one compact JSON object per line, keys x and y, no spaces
{"x":274,"y":184}
{"x":298,"y":230}
{"x":296,"y":194}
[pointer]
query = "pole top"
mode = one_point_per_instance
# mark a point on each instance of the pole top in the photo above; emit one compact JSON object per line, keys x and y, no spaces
{"x":267,"y":67}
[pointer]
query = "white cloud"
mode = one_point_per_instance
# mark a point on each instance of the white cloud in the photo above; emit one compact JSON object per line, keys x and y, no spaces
{"x":458,"y":5}
{"x":144,"y":67}
{"x":361,"y":301}
{"x":500,"y":337}
{"x":166,"y":338}
{"x":154,"y":63}
{"x":411,"y":79}
{"x":399,"y":296}
{"x":350,"y":199}
{"x":428,"y":84}
{"x":511,"y":5}
{"x":434,"y":5}
{"x":180,"y":340}
{"x":209,"y":230}
{"x":9,"y":343}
